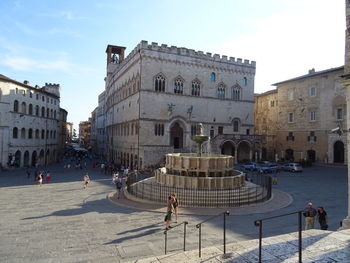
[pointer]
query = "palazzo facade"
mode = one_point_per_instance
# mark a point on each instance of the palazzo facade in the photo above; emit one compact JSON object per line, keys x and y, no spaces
{"x":157,"y":96}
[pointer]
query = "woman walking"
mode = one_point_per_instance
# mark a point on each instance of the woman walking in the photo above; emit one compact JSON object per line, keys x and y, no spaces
{"x":170,"y":209}
{"x":322,"y":218}
{"x":175,"y":205}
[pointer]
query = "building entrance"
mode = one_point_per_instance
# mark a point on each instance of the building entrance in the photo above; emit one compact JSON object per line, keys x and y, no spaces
{"x":176,"y":136}
{"x":338,"y":152}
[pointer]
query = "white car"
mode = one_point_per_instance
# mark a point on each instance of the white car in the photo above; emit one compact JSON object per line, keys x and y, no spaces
{"x":293,"y":167}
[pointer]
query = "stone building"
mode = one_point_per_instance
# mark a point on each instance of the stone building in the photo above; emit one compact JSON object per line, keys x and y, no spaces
{"x":157,"y":96}
{"x":28,"y":123}
{"x":62,"y":132}
{"x":69,"y":127}
{"x":85,"y":133}
{"x":297,"y":117}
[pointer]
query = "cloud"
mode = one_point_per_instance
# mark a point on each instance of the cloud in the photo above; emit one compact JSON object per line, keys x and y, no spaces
{"x":27,"y":64}
{"x":66,"y":14}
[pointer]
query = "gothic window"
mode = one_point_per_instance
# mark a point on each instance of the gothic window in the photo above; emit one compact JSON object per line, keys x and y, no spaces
{"x":159,"y":129}
{"x":212,"y":77}
{"x":159,"y":83}
{"x":30,"y":109}
{"x":42,"y":134}
{"x":221,"y":91}
{"x":236,"y":92}
{"x":15,"y":133}
{"x":196,"y":88}
{"x":47,"y":112}
{"x":42,"y":112}
{"x":30,"y":134}
{"x":24,"y":107}
{"x":23,"y":133}
{"x":178,"y":86}
{"x":244,"y":82}
{"x":36,"y":134}
{"x":15,"y":106}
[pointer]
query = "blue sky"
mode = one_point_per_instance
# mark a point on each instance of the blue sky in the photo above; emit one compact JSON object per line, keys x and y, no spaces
{"x":65,"y":41}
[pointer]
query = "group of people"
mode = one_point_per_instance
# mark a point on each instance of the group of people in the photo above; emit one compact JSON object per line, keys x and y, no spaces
{"x":39,"y":176}
{"x":172,"y":207}
{"x":311,"y":214}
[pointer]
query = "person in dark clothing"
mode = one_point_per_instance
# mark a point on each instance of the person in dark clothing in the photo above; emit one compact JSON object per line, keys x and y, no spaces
{"x":310,"y":214}
{"x":322,"y":218}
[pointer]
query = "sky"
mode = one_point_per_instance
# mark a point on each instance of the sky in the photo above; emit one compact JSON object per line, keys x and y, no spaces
{"x":64,"y":42}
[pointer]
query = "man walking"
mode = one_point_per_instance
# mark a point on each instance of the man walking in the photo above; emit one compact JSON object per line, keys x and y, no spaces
{"x":310,"y":214}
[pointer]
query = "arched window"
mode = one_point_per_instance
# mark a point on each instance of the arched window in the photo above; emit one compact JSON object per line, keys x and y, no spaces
{"x":30,"y":134}
{"x":196,"y":88}
{"x":244,"y":82}
{"x":37,"y":134}
{"x":51,"y":112}
{"x":42,"y":134}
{"x":236,"y":92}
{"x":47,"y":113}
{"x":42,"y":111}
{"x":37,"y":110}
{"x":15,"y":106}
{"x":23,"y":133}
{"x":213,"y":77}
{"x":30,"y":109}
{"x":15,"y":133}
{"x":178,"y":86}
{"x":159,"y":83}
{"x":24,"y":107}
{"x":221,"y":91}
{"x":236,"y":125}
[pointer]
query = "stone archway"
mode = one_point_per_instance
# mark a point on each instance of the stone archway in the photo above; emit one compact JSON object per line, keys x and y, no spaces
{"x":228,"y":148}
{"x":176,"y":136}
{"x":338,"y":152}
{"x":243,"y":151}
{"x":26,"y":159}
{"x":17,"y":162}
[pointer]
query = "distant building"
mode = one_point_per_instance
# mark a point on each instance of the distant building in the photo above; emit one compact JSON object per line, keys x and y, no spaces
{"x":62,"y":132}
{"x":69,"y":127}
{"x":297,"y":118}
{"x":98,"y":127}
{"x":28,"y":123}
{"x":85,"y":133}
{"x":156,"y":97}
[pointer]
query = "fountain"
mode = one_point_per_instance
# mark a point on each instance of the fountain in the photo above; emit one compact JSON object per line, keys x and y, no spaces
{"x":200,"y":180}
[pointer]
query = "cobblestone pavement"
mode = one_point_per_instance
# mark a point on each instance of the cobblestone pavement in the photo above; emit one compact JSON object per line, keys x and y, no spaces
{"x":61,"y":222}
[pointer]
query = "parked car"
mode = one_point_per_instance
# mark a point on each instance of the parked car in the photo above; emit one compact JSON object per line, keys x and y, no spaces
{"x":292,"y":167}
{"x":268,"y":167}
{"x":251,"y":166}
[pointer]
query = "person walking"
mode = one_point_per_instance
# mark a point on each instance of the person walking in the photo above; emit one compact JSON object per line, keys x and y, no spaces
{"x":86,"y":180}
{"x":322,"y":218}
{"x":310,"y":214}
{"x":274,"y":177}
{"x":175,"y":205}
{"x":40,"y":179}
{"x":48,"y":177}
{"x":170,"y":209}
{"x":118,"y":186}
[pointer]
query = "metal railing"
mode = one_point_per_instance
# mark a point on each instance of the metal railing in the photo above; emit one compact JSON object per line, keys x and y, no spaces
{"x":259,"y":223}
{"x":199,"y":226}
{"x":166,"y":235}
{"x":145,"y":187}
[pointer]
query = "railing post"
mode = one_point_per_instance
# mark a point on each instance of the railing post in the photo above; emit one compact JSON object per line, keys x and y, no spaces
{"x":259,"y":224}
{"x":225,"y":213}
{"x":200,"y":233}
{"x":166,"y":239}
{"x":300,"y":238}
{"x":185,"y":223}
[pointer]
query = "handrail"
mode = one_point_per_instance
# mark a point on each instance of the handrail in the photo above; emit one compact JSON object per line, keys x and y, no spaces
{"x":259,"y":223}
{"x":166,"y":234}
{"x":199,"y":226}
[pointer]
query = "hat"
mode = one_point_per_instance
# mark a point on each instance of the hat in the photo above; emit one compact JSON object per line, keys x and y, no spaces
{"x":309,"y":203}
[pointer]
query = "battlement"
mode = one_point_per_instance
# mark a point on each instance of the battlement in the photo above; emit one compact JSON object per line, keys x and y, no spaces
{"x":52,"y":88}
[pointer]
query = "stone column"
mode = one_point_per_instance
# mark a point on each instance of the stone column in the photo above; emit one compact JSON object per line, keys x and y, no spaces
{"x":346,"y":85}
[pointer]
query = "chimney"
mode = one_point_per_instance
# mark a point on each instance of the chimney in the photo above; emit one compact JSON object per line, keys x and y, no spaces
{"x":26,"y":82}
{"x":312,"y":71}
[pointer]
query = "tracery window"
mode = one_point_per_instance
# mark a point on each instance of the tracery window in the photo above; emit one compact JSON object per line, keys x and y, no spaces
{"x":178,"y":86}
{"x":196,"y":88}
{"x":159,"y":83}
{"x":159,"y":129}
{"x":236,"y":92}
{"x":221,"y":91}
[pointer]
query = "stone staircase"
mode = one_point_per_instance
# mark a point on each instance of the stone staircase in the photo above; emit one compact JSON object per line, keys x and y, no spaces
{"x":318,"y":247}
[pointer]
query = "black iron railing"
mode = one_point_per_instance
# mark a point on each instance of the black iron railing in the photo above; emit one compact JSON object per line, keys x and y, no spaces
{"x":259,"y":223}
{"x":199,"y":226}
{"x":166,"y":235}
{"x":143,"y":186}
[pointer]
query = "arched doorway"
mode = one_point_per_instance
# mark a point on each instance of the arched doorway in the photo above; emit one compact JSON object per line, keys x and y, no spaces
{"x":311,"y":155}
{"x":243,"y":152}
{"x":26,"y":159}
{"x":34,"y":158}
{"x":176,"y":136}
{"x":289,"y":155}
{"x":338,"y":152}
{"x":17,"y":162}
{"x":228,"y":148}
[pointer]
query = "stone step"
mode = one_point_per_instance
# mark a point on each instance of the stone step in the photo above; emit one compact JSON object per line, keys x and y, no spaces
{"x":317,"y":246}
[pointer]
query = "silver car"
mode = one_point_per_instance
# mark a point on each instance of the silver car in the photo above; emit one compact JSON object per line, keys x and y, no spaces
{"x":293,"y":167}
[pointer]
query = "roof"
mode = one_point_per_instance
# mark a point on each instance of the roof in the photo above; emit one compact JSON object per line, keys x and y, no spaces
{"x":5,"y":78}
{"x":266,"y":93}
{"x":312,"y":73}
